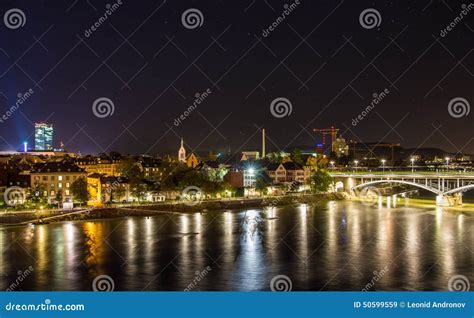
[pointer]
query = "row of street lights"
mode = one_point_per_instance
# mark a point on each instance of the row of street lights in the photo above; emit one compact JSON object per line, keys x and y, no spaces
{"x":383,"y":161}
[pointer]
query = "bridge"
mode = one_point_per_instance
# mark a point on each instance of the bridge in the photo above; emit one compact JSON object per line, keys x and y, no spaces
{"x":448,"y":187}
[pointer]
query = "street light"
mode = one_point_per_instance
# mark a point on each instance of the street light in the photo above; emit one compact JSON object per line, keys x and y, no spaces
{"x":356,"y":162}
{"x":447,"y":163}
{"x":383,"y":165}
{"x":332,"y":165}
{"x":412,"y":164}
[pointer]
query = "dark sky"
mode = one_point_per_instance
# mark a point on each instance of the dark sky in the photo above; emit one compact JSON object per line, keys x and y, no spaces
{"x":320,"y":58}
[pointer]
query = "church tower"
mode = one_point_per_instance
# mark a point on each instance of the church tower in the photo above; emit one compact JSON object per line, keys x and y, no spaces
{"x":182,"y":152}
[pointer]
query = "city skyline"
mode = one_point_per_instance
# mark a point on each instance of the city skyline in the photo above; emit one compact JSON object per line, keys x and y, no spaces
{"x":329,"y":71}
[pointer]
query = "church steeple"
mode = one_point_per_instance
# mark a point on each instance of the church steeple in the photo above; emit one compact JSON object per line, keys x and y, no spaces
{"x":182,"y":152}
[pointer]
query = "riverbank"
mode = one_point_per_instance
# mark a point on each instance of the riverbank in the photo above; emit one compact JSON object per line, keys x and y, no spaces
{"x":21,"y":218}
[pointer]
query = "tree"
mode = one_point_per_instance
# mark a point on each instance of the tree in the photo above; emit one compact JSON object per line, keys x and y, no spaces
{"x":79,"y":190}
{"x":297,"y":156}
{"x":36,"y":195}
{"x":117,"y":192}
{"x":262,"y":182}
{"x":59,"y":196}
{"x":320,"y":181}
{"x":138,"y":190}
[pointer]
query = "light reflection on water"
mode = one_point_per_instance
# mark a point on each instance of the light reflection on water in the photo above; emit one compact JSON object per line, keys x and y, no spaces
{"x":337,"y":246}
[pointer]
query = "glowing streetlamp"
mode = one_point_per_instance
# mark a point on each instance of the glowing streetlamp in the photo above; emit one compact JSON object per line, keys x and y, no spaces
{"x":356,"y":162}
{"x":412,"y":164}
{"x":447,"y":163}
{"x":383,"y":165}
{"x":332,"y":165}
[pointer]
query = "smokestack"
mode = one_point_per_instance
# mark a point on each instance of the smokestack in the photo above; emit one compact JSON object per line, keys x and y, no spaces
{"x":263,"y":144}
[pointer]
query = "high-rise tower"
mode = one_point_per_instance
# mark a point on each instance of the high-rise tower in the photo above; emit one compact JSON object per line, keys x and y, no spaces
{"x":43,"y":137}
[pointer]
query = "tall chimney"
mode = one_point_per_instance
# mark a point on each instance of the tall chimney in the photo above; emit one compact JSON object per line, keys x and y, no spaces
{"x":263,"y":144}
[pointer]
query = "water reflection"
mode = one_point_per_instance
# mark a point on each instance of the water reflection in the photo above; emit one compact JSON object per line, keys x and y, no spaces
{"x":337,"y":246}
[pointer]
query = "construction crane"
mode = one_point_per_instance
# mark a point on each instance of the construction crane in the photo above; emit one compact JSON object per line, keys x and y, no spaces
{"x":386,"y":145}
{"x":329,"y":131}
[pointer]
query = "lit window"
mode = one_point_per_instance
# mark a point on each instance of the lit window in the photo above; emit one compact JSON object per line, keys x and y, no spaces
{"x":52,"y":193}
{"x":60,"y":178}
{"x":67,"y":192}
{"x":67,"y":184}
{"x":60,"y":185}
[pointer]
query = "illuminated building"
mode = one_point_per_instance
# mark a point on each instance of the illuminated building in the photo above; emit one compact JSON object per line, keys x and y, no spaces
{"x":43,"y":136}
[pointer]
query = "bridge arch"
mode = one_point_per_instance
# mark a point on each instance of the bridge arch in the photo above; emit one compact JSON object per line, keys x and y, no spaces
{"x":466,"y":187}
{"x":433,"y":190}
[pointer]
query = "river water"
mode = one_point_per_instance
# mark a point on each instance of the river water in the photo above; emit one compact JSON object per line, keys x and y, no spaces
{"x":335,"y":246}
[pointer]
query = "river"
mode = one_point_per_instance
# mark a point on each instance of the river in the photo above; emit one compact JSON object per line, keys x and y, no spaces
{"x":340,"y":245}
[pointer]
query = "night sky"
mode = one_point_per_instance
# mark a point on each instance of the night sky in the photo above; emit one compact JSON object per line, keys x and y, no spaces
{"x":320,"y":58}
